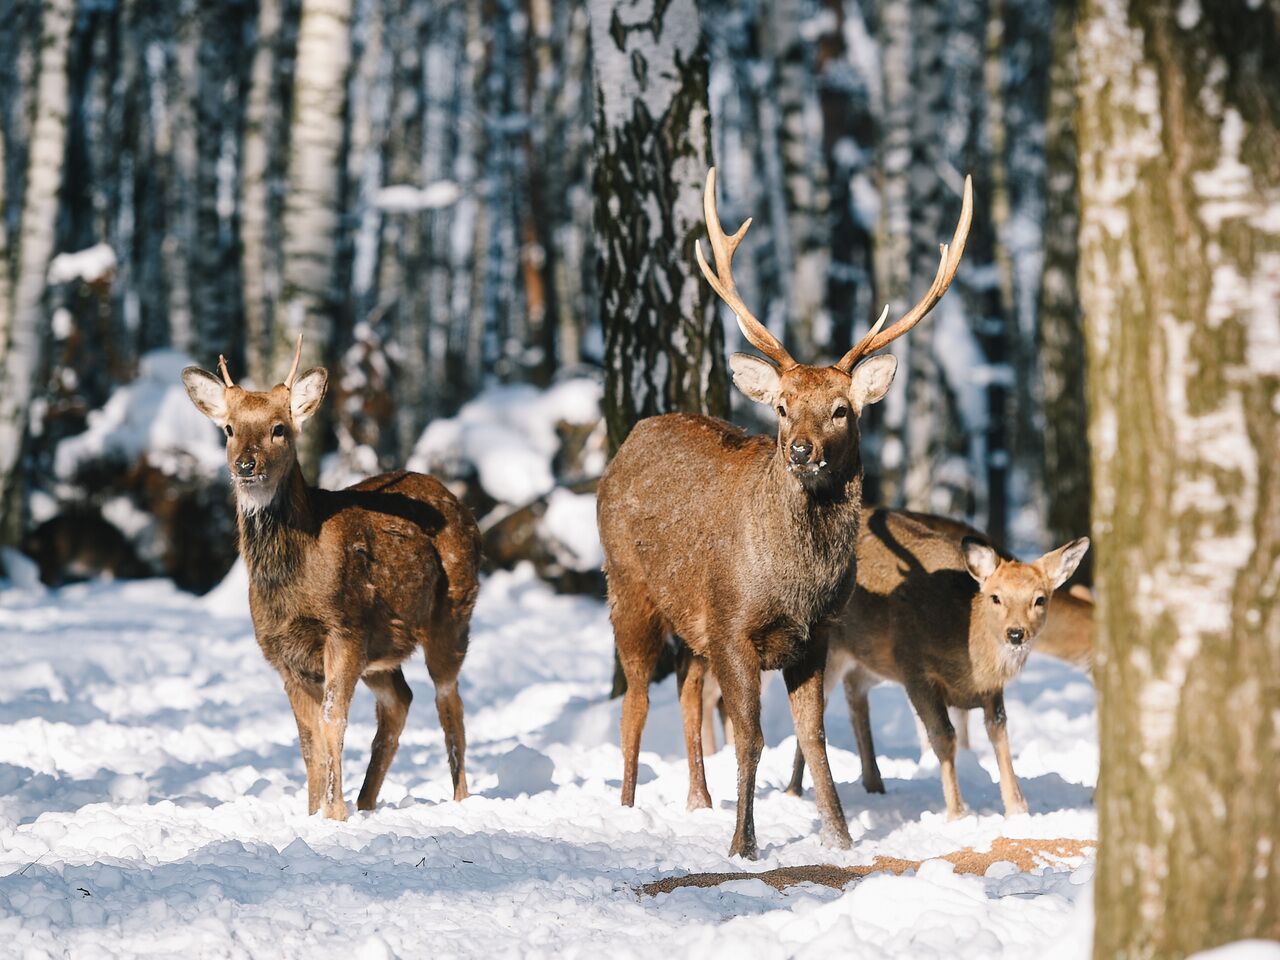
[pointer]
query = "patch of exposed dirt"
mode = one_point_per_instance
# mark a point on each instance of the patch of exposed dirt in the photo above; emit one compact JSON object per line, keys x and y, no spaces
{"x":1025,"y":854}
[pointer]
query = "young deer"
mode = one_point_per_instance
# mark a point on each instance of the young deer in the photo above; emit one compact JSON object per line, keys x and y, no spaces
{"x":344,"y":584}
{"x":1067,"y":635}
{"x":953,"y":623}
{"x":742,"y":544}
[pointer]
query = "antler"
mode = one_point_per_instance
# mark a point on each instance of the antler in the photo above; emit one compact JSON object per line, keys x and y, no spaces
{"x":950,"y":262}
{"x":222,"y":369}
{"x":723,"y":248}
{"x":293,"y":371}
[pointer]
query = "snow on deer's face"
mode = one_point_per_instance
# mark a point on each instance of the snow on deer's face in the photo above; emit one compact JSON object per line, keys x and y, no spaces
{"x":261,"y":427}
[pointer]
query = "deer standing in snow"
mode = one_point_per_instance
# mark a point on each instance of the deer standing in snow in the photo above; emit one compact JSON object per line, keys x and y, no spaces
{"x":743,"y":544}
{"x":344,"y":584}
{"x":952,"y":622}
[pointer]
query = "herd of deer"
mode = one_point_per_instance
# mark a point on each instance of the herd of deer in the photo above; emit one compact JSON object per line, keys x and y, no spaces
{"x":750,"y":553}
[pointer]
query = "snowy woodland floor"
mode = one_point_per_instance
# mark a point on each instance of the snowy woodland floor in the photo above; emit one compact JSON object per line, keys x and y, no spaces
{"x":152,"y":803}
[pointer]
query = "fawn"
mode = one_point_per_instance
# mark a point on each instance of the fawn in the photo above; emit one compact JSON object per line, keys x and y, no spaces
{"x":742,"y":545}
{"x":952,"y":623}
{"x":344,"y":584}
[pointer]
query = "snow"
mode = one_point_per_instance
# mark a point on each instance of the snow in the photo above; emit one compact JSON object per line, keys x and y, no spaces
{"x":401,"y":198}
{"x":508,"y":436}
{"x":90,"y":265}
{"x":151,"y":416}
{"x":152,"y":802}
{"x":569,"y":528}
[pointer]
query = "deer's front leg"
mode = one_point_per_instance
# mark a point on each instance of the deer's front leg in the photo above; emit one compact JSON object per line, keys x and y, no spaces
{"x":738,"y":670}
{"x":805,"y":688}
{"x":305,"y":699}
{"x":932,"y":711}
{"x":342,"y":667}
{"x":1010,"y":791}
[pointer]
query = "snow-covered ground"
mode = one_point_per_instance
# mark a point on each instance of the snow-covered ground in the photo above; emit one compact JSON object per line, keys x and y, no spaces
{"x":152,"y":802}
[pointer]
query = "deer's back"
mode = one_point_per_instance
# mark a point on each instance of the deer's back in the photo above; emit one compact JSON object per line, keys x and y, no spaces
{"x":910,"y":609}
{"x":394,"y":561}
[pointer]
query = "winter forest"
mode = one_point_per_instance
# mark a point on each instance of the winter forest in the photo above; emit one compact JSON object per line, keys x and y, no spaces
{"x":481,"y":218}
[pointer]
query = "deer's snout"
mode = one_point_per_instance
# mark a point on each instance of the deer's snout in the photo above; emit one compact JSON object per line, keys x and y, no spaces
{"x":245,"y":465}
{"x":1016,"y":635}
{"x":801,"y":452}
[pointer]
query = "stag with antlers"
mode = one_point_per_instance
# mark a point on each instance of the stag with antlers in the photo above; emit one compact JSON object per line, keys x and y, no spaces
{"x":742,"y":545}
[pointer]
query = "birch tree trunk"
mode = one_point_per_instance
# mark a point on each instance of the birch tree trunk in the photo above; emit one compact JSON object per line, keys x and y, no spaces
{"x":20,"y":343}
{"x":664,"y":346}
{"x":1180,"y":275}
{"x":262,"y":121}
{"x":312,"y":203}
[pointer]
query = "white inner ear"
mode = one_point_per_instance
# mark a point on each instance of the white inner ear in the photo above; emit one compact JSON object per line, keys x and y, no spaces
{"x":756,"y":378}
{"x":980,"y":560}
{"x":872,"y":379}
{"x":207,"y":392}
{"x":1062,"y":563}
{"x":308,"y":391}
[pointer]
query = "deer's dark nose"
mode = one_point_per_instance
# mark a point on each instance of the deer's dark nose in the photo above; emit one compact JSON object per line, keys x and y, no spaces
{"x":801,"y":451}
{"x":245,"y":465}
{"x":1016,"y":635}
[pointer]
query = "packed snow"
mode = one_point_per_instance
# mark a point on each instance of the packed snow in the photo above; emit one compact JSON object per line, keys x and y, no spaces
{"x":152,"y":802}
{"x":150,"y":416}
{"x":507,"y":435}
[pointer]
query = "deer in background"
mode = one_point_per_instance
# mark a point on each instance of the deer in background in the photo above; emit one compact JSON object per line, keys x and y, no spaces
{"x":952,"y":623}
{"x":344,"y":584}
{"x":742,"y":544}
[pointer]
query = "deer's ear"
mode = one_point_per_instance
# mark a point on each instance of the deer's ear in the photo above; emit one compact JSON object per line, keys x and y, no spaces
{"x":1060,"y":564}
{"x":308,"y":391}
{"x":979,"y":558}
{"x":871,"y":379}
{"x":756,"y":378}
{"x":207,"y":392}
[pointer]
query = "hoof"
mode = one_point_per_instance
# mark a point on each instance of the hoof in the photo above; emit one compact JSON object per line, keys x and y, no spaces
{"x":335,"y":811}
{"x":873,"y":786}
{"x":957,"y":814}
{"x":836,"y":839}
{"x":747,"y":851}
{"x":794,"y":791}
{"x":460,"y":793}
{"x":698,"y":801}
{"x":1015,"y":808}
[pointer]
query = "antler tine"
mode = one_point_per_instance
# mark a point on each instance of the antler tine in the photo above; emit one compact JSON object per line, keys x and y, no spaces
{"x":293,"y":371}
{"x":222,"y":369}
{"x":949,"y":263}
{"x":723,"y":248}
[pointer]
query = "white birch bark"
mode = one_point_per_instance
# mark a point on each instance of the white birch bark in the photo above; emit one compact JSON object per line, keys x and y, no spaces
{"x":20,"y":349}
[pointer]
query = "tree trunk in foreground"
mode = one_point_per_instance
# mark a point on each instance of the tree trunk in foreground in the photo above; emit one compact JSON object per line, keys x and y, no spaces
{"x":1180,"y":267}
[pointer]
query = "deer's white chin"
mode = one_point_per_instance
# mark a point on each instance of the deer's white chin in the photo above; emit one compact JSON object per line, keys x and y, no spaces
{"x":253,"y":494}
{"x":1013,"y":657}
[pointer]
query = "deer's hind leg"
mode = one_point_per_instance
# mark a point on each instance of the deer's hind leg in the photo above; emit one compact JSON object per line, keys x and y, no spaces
{"x":690,"y":676}
{"x":393,"y":696}
{"x":305,"y":699}
{"x":638,"y":635}
{"x":445,"y":650}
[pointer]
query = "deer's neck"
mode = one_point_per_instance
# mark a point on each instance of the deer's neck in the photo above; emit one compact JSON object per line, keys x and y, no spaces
{"x":274,"y":538}
{"x":812,"y":531}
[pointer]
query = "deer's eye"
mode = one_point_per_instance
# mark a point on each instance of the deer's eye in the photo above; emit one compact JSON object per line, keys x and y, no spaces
{"x":840,"y":413}
{"x":995,"y":600}
{"x":782,"y":411}
{"x":227,"y":430}
{"x":277,"y":431}
{"x":1041,"y":601}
